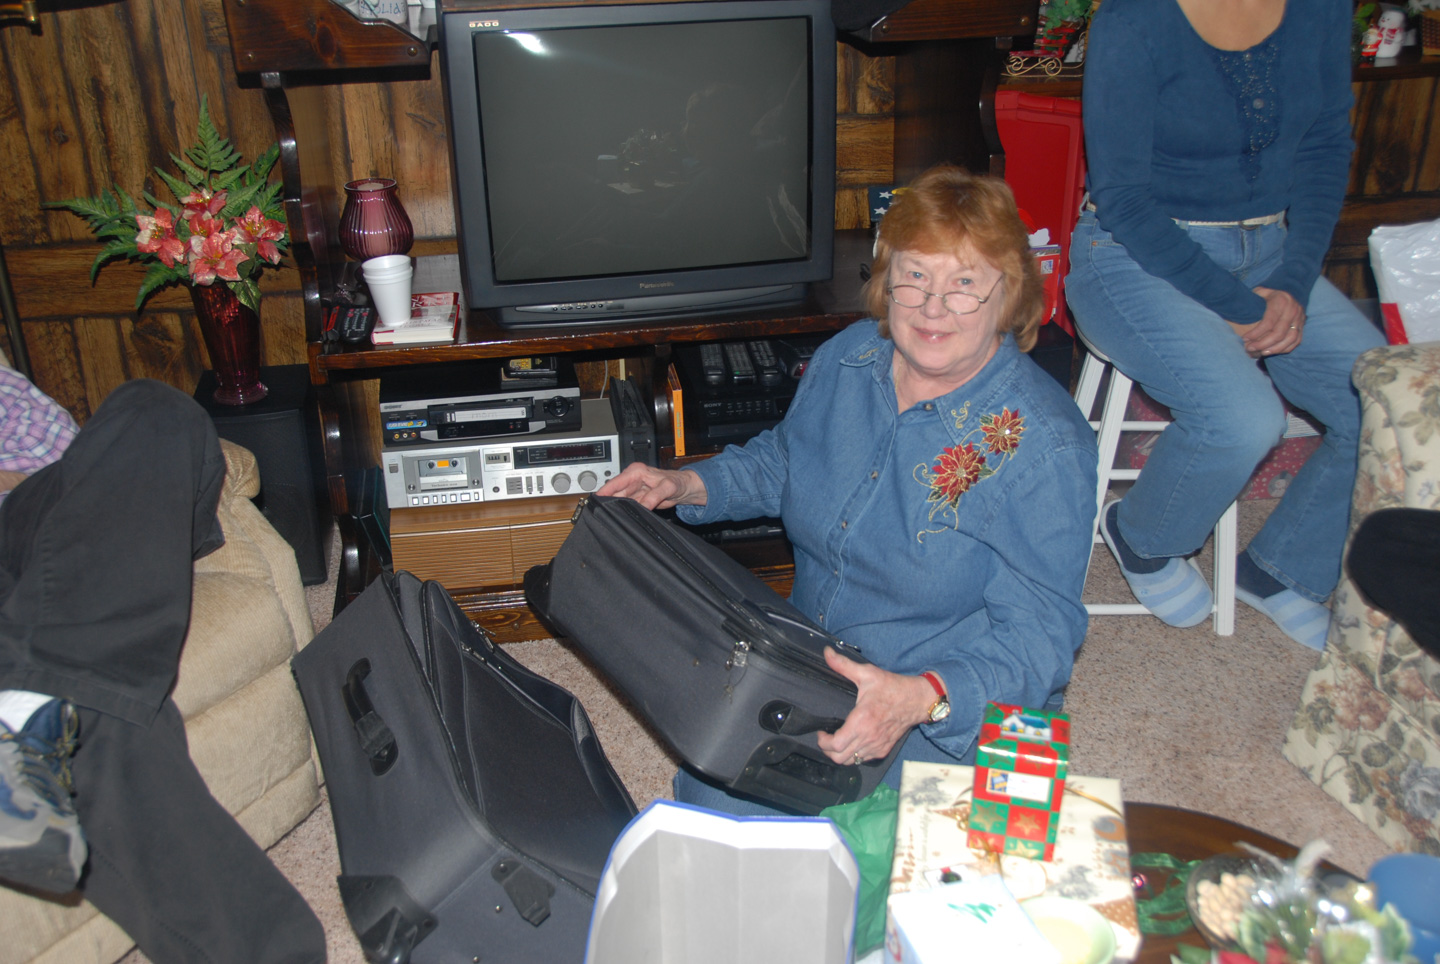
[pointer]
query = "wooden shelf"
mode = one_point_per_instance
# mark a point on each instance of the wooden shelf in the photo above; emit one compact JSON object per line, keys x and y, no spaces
{"x":1410,"y":64}
{"x":286,"y":36}
{"x":922,"y":20}
{"x":831,"y":306}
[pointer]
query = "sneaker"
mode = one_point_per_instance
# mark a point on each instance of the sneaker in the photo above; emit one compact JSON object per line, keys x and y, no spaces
{"x":1177,"y":594}
{"x":41,"y":845}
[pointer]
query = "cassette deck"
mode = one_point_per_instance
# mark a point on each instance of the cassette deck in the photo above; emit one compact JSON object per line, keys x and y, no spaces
{"x":494,"y":469}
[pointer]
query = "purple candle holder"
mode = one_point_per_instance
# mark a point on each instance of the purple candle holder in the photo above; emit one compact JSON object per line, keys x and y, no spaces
{"x":373,"y":222}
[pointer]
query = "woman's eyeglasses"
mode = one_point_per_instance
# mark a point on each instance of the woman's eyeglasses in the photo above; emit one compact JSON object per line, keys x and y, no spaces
{"x":955,"y":302}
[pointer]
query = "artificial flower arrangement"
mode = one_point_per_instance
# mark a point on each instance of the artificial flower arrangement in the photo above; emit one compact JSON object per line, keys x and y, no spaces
{"x":1292,"y":917}
{"x":229,"y":222}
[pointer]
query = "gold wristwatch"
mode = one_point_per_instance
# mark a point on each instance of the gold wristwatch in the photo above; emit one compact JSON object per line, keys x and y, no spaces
{"x":941,"y":707}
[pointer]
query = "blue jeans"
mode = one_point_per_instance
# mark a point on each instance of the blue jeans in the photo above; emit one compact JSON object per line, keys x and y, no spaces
{"x":1226,"y":405}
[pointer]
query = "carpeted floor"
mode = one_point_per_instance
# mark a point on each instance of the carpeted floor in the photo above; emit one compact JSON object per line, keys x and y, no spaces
{"x":1180,"y":716}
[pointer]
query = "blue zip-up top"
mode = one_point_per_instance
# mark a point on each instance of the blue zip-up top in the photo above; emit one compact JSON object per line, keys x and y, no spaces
{"x":952,"y":537}
{"x":1176,"y":128}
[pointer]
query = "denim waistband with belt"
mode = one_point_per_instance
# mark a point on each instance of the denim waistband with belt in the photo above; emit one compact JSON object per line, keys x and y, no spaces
{"x":1247,"y":223}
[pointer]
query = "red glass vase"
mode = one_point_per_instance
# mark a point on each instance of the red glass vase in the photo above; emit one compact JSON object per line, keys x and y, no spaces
{"x":373,"y":222}
{"x":232,"y":337}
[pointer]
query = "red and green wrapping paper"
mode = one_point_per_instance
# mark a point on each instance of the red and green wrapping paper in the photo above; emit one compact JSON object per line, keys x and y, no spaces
{"x":1020,"y":768}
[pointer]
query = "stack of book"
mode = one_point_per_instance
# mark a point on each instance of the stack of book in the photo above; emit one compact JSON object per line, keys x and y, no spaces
{"x":434,"y":320}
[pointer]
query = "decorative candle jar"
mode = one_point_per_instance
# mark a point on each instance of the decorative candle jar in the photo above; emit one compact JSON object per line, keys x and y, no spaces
{"x":373,"y":222}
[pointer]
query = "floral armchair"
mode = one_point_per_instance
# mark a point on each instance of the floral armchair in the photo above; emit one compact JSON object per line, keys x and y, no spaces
{"x":1368,"y":726}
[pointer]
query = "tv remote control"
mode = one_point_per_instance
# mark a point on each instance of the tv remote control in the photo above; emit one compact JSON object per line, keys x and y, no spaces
{"x":795,"y":357}
{"x":742,"y":369}
{"x":356,"y":324}
{"x":712,"y":363}
{"x":766,"y":361}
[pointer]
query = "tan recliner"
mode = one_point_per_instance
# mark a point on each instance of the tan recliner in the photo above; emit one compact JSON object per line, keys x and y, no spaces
{"x":246,"y":726}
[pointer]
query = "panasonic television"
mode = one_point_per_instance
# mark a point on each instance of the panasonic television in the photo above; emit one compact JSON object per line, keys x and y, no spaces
{"x":632,"y":161}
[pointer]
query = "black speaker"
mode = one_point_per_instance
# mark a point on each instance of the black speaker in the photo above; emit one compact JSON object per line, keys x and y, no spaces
{"x":283,"y":431}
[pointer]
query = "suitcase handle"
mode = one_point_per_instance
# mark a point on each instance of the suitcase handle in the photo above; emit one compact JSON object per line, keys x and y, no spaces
{"x":778,"y":716}
{"x":371,"y":731}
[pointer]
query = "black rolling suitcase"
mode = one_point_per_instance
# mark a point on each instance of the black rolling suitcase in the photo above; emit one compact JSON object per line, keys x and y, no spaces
{"x":730,"y":674}
{"x":473,"y":805}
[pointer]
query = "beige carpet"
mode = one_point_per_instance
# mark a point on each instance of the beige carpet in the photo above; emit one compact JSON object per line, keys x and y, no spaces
{"x":1180,"y":716}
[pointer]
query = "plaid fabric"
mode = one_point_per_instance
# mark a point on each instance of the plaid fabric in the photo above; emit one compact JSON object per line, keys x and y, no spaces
{"x":34,"y":429}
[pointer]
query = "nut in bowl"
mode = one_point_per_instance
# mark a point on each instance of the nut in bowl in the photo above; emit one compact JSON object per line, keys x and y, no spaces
{"x":1219,"y":890}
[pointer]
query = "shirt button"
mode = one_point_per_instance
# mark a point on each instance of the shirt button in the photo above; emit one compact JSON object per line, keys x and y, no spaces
{"x":835,"y":572}
{"x":819,"y":617}
{"x":1259,"y":102}
{"x":844,"y":525}
{"x":874,"y":475}
{"x":929,"y":407}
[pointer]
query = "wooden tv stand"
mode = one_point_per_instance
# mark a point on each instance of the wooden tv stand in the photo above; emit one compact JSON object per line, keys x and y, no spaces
{"x":947,"y":55}
{"x":646,"y":346}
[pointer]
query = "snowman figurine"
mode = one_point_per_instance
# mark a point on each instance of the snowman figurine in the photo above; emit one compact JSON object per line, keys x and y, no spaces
{"x":1392,"y":33}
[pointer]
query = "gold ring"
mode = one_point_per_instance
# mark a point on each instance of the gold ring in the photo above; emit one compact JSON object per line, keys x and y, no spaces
{"x":1292,"y":327}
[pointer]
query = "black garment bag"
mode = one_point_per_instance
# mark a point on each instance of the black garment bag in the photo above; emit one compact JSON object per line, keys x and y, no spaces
{"x":730,"y":674}
{"x":473,"y":805}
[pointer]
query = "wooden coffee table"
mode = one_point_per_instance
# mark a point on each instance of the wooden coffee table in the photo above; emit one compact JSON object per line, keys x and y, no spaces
{"x":1187,"y":835}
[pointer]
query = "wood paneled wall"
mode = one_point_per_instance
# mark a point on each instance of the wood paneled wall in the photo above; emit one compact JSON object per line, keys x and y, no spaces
{"x":105,"y":93}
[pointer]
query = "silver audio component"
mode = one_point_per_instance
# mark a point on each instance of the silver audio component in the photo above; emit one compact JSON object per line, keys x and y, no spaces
{"x":548,"y":463}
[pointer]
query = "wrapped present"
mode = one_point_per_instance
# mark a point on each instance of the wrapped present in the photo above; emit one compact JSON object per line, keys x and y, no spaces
{"x":1090,"y":863}
{"x":976,"y":920}
{"x":1020,"y":768}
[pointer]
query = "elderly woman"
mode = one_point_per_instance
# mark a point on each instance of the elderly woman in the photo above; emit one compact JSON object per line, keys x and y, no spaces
{"x":937,"y":486}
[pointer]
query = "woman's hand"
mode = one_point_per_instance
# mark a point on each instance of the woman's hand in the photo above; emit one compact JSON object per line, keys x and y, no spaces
{"x":656,"y":488}
{"x":1279,"y":330}
{"x":887,"y":707}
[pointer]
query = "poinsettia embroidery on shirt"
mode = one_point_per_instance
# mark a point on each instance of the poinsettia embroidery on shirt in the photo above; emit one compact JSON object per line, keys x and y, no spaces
{"x":972,"y":459}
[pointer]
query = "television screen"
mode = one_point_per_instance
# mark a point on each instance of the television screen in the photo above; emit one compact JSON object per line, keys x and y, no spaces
{"x":607,"y":153}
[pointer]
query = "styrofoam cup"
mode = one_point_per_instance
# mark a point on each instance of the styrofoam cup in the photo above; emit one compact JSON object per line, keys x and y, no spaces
{"x":388,"y":278}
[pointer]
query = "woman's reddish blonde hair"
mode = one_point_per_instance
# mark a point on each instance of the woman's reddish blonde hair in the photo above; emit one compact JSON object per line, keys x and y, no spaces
{"x":948,"y":210}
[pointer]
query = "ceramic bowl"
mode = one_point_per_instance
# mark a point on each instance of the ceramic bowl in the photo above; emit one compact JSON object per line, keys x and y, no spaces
{"x":1075,"y":928}
{"x":1213,"y":869}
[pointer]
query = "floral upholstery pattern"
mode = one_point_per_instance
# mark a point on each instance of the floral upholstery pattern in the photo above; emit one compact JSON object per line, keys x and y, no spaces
{"x":1368,"y":726}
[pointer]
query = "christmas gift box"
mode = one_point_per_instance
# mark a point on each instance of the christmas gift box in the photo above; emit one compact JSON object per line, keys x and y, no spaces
{"x":1091,"y":861}
{"x":1020,"y":767}
{"x":956,"y":923}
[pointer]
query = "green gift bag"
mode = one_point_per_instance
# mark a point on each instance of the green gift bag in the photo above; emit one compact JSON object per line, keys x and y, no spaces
{"x":868,"y":826}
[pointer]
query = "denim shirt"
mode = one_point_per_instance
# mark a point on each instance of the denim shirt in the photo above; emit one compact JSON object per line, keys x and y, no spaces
{"x":902,"y":552}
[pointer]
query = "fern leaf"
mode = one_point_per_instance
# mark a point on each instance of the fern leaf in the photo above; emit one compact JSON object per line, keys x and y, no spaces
{"x":158,"y":276}
{"x":177,"y":187}
{"x":111,"y":251}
